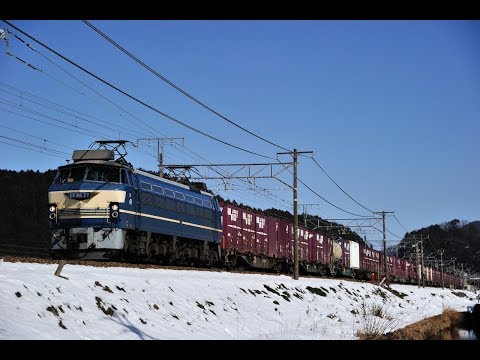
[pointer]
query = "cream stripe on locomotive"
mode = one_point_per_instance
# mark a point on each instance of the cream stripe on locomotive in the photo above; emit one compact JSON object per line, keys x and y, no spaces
{"x":99,"y":199}
{"x":168,"y":219}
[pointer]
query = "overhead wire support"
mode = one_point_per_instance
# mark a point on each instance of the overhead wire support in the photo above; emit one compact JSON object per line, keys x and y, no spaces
{"x":141,"y":102}
{"x":160,"y":146}
{"x":385,"y":257}
{"x":295,"y":153}
{"x":176,"y":87}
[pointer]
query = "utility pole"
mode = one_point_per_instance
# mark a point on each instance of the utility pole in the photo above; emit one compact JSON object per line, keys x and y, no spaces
{"x":421,"y":254}
{"x":463,"y":276}
{"x":160,"y":146}
{"x":454,"y":273}
{"x":418,"y":264}
{"x":305,"y":211}
{"x":385,"y":257}
{"x":441,"y":265}
{"x":296,"y":269}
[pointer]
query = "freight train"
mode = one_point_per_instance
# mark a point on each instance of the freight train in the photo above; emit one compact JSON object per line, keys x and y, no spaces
{"x":103,"y":208}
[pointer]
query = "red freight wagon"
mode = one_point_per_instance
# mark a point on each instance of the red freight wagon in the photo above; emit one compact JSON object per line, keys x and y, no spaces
{"x":315,"y":248}
{"x":272,"y":237}
{"x":345,"y":253}
{"x":303,"y":237}
{"x":284,"y":239}
{"x":401,"y":268}
{"x":261,"y":234}
{"x":248,"y":231}
{"x":232,"y":227}
{"x":367,"y":259}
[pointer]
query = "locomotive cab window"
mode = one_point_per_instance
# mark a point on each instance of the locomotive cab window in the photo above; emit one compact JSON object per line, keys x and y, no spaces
{"x":70,"y":175}
{"x":125,"y":177}
{"x":103,"y":173}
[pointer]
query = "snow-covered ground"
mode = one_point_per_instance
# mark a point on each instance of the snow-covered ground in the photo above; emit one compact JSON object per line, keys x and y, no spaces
{"x":126,"y":303}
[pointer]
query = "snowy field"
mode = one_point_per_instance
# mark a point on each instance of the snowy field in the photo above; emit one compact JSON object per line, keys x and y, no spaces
{"x":126,"y":303}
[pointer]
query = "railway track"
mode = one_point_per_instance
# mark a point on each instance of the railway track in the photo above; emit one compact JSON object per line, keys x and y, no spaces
{"x":122,"y":265}
{"x":39,"y":260}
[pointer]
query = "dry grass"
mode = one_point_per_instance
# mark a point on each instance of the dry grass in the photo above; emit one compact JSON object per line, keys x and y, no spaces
{"x":375,"y":321}
{"x":427,"y":328}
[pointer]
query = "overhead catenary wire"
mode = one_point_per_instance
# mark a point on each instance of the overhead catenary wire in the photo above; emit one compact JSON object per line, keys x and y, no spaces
{"x":320,"y":196}
{"x":86,"y":85}
{"x":68,"y":111}
{"x":321,"y":168}
{"x":395,"y":216}
{"x":35,"y":68}
{"x":36,"y":137}
{"x":26,"y":148}
{"x":75,"y":128}
{"x":38,"y":147}
{"x":133,"y":97}
{"x":176,"y":87}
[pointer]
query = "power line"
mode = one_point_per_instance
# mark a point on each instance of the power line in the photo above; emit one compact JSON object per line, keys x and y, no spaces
{"x":315,"y":161}
{"x":23,"y":147}
{"x":321,"y":197}
{"x":176,"y":87}
{"x":83,"y":83}
{"x":54,"y":105}
{"x":38,"y":147}
{"x":37,"y":137}
{"x":135,"y":98}
{"x":395,"y":216}
{"x":49,"y":123}
{"x":41,"y":71}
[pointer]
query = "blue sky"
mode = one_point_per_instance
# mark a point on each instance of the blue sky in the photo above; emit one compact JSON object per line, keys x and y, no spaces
{"x":391,"y":109}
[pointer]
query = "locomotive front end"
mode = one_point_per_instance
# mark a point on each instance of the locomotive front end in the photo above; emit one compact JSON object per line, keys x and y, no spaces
{"x":86,"y":201}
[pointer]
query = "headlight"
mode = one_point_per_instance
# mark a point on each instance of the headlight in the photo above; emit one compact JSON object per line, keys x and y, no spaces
{"x":114,"y":207}
{"x":52,"y":208}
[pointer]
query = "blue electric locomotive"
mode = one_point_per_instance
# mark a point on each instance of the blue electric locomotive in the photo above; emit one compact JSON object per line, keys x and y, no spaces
{"x":103,"y":208}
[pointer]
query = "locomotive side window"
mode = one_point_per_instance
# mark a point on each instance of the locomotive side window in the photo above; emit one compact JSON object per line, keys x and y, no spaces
{"x":145,"y":186}
{"x":189,"y":198}
{"x":157,"y":189}
{"x":147,"y":199}
{"x":169,"y":192}
{"x":198,"y":201}
{"x":207,"y":203}
{"x":179,"y":195}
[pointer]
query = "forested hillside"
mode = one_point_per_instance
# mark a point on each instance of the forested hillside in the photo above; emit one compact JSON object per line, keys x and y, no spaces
{"x":459,"y":240}
{"x":24,"y":212}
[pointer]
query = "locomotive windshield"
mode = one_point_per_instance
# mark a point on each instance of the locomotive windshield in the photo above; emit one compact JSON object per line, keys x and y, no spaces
{"x":92,"y":173}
